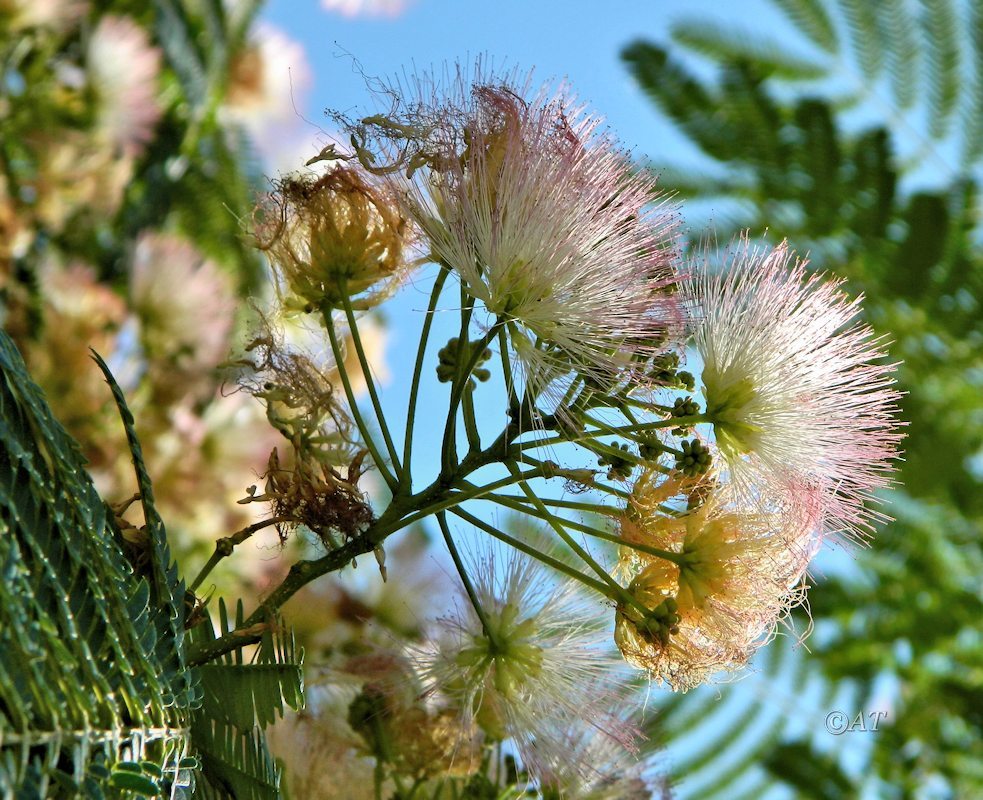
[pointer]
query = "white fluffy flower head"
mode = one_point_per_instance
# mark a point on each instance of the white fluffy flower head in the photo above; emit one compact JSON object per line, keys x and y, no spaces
{"x":543,"y":668}
{"x":796,"y":390}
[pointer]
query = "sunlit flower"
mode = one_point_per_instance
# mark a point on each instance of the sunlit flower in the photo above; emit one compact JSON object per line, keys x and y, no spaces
{"x":737,"y":571}
{"x":55,"y":14}
{"x":796,"y":393}
{"x":540,"y":668}
{"x":543,"y":219}
{"x":123,"y":68}
{"x":269,"y":79}
{"x":265,"y":77}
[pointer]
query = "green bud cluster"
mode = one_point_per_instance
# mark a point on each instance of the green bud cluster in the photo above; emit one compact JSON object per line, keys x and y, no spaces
{"x":618,"y":467}
{"x":661,"y":622}
{"x":685,"y":407}
{"x":649,"y":449}
{"x":447,"y":358}
{"x":665,"y":372}
{"x":695,"y":458}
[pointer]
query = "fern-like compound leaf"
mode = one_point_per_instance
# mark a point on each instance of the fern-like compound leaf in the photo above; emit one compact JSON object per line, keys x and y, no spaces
{"x":84,"y":672}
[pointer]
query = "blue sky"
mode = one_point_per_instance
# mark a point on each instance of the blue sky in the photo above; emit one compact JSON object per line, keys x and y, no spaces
{"x":575,"y":39}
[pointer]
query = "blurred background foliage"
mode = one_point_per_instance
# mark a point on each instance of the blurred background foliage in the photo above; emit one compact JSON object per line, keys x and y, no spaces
{"x":129,"y":160}
{"x":129,"y":166}
{"x":860,"y":140}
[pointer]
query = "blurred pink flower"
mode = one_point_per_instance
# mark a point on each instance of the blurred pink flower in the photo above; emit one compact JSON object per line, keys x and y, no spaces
{"x":366,"y":8}
{"x":185,"y":306}
{"x":123,"y":68}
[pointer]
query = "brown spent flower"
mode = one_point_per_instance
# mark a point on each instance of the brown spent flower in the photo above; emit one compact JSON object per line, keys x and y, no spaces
{"x":331,"y":238}
{"x":318,"y":496}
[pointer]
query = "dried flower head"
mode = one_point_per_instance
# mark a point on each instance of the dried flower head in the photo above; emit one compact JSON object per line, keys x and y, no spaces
{"x":331,"y":238}
{"x":300,"y":398}
{"x":795,"y":392}
{"x":737,"y":571}
{"x":317,"y":486}
{"x":541,"y":217}
{"x":539,"y":668}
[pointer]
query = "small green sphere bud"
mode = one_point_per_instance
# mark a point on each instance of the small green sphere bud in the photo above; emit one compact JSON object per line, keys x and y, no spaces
{"x":695,"y":458}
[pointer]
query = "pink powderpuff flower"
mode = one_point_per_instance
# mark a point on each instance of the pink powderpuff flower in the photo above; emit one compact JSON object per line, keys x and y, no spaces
{"x":123,"y":67}
{"x":737,"y":571}
{"x":185,"y":305}
{"x":543,"y":219}
{"x":796,"y":389}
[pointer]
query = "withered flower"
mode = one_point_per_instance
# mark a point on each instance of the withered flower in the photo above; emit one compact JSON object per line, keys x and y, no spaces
{"x":333,"y":238}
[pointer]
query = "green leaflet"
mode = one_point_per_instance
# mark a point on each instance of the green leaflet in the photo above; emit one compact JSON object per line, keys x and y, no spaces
{"x":234,"y":764}
{"x":166,"y":588}
{"x":722,"y":43}
{"x":85,"y":676}
{"x":247,"y":694}
{"x":812,"y":20}
{"x":942,"y":56}
{"x":240,"y":699}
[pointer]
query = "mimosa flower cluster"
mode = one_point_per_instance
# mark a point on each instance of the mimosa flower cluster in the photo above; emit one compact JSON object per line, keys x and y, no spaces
{"x":575,"y":317}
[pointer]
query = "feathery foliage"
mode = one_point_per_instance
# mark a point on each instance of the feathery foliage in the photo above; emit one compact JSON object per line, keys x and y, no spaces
{"x":88,"y":675}
{"x":95,"y":696}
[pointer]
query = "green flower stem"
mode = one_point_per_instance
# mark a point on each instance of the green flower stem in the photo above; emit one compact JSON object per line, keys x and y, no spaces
{"x":449,"y":448}
{"x":596,"y":446}
{"x":641,"y":427}
{"x":503,"y":351}
{"x":438,"y":287}
{"x":529,"y":550}
{"x":450,"y":500}
{"x":369,"y":382}
{"x":225,"y":546}
{"x":466,"y":580}
{"x":573,"y":505}
{"x":668,"y":555}
{"x":448,"y":453}
{"x":363,"y":429}
{"x":622,"y":594}
{"x":470,"y":423}
{"x":404,"y":510}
